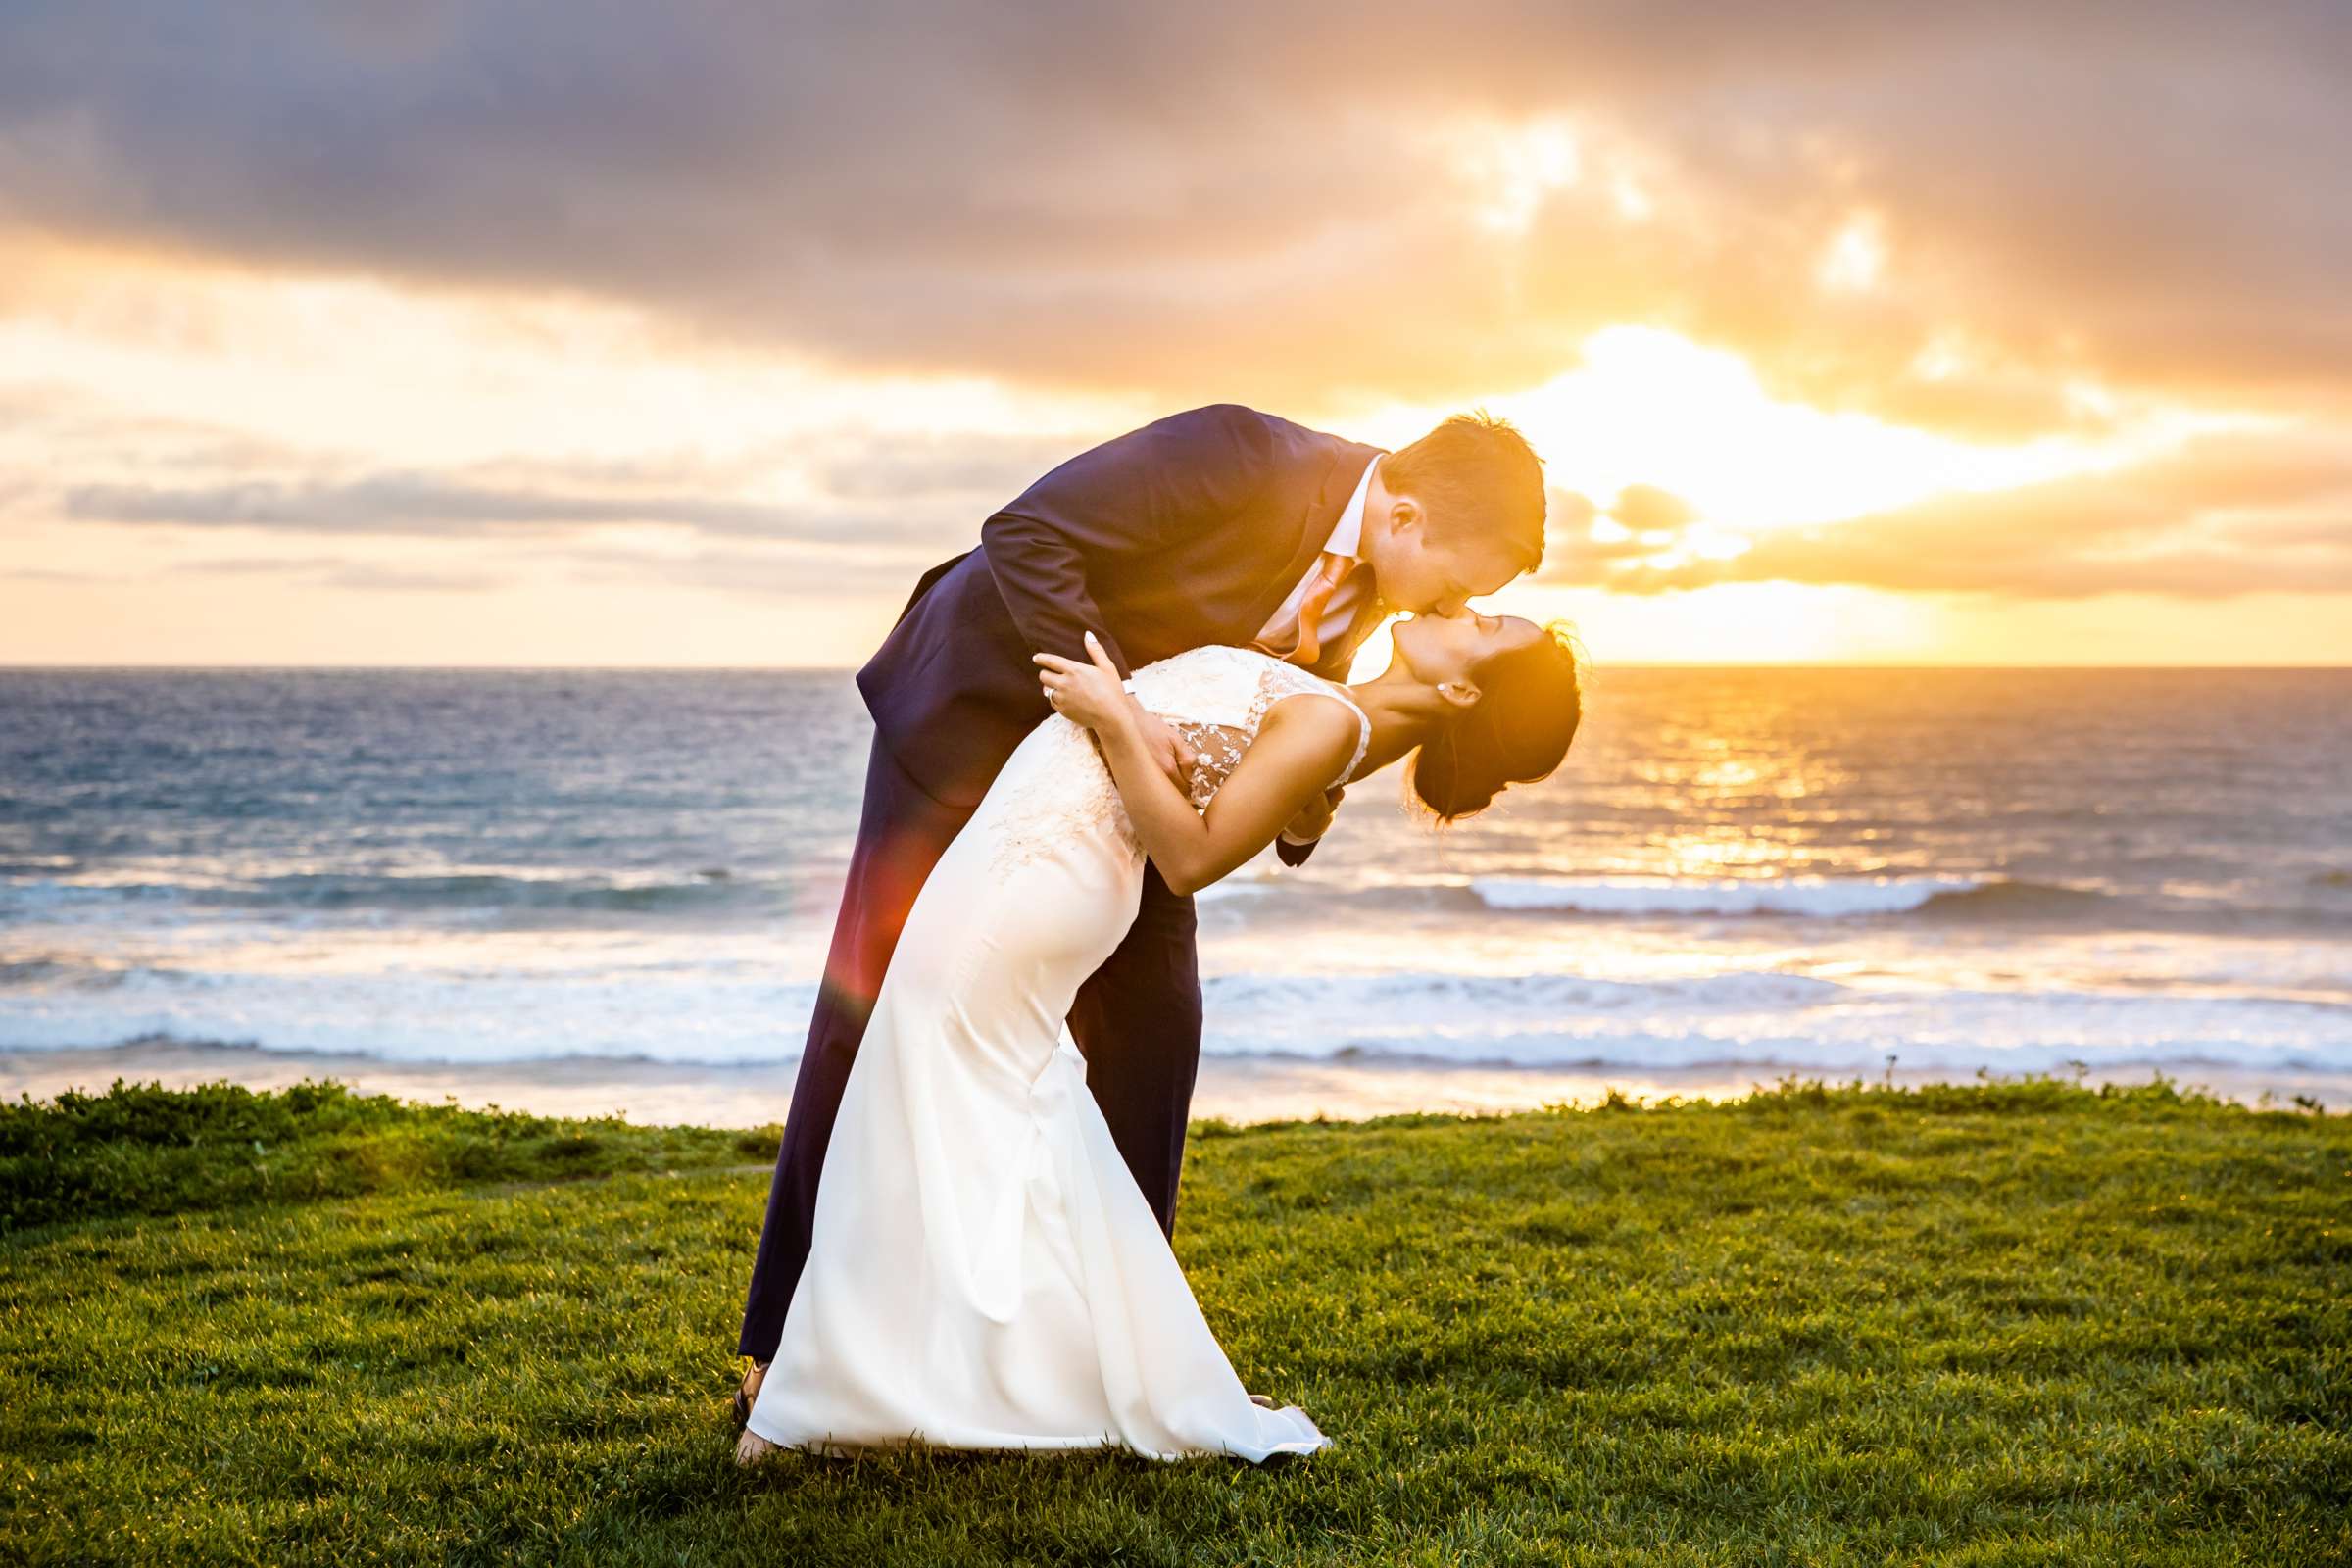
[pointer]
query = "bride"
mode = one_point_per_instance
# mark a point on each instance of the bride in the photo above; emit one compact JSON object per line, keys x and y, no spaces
{"x":984,"y":1272}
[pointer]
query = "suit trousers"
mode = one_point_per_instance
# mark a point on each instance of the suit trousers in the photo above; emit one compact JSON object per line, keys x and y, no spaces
{"x":1137,"y":1021}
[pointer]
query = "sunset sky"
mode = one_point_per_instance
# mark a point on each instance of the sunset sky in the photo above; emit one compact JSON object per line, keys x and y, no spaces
{"x":570,"y":332}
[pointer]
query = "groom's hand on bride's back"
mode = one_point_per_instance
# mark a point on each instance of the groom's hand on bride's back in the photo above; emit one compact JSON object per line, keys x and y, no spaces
{"x":1315,"y":820}
{"x":1170,"y":752}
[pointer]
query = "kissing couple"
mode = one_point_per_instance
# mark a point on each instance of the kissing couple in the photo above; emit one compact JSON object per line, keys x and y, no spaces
{"x":1132,"y":686}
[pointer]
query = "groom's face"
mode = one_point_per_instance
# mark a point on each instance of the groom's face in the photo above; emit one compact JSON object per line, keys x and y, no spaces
{"x":1434,"y":569}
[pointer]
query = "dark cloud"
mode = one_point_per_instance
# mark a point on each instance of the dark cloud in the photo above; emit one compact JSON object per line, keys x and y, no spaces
{"x":878,"y":507}
{"x":870,"y":489}
{"x":423,"y":504}
{"x":1235,"y":201}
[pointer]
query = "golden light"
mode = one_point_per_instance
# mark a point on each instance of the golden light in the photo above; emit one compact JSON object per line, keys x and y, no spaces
{"x":1650,"y":407}
{"x":1514,"y":170}
{"x":400,"y":377}
{"x":1730,"y":623}
{"x":1854,"y":258}
{"x":1634,"y":204}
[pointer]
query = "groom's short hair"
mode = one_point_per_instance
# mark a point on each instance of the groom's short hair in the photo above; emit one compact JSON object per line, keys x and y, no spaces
{"x":1476,"y":470}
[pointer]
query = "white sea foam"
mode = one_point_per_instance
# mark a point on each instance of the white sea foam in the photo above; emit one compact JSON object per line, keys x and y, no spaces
{"x":1826,"y":897}
{"x":741,"y":1011}
{"x":522,"y":867}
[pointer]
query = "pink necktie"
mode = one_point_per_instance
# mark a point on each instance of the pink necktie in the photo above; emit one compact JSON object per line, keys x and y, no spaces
{"x":1329,"y":573}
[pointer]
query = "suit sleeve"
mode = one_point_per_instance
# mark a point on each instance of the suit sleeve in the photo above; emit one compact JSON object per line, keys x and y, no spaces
{"x":1129,"y":495}
{"x":1294,"y":853}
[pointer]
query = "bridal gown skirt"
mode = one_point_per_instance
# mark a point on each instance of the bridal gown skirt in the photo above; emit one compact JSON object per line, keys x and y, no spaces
{"x":982,"y":1270}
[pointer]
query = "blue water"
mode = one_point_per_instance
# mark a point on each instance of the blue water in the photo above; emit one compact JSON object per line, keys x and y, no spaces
{"x":1808,"y":869}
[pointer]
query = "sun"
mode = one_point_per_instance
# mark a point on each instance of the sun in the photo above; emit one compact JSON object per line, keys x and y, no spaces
{"x":1647,"y":411}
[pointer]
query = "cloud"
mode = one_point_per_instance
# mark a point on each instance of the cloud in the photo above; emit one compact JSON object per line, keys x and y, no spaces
{"x":425,"y":504}
{"x":844,"y":511}
{"x":762,"y":569}
{"x":332,"y":571}
{"x":2222,"y":515}
{"x":926,"y":493}
{"x":55,"y":574}
{"x":1646,"y":506}
{"x":1265,"y":202}
{"x":755,"y":571}
{"x":895,"y":466}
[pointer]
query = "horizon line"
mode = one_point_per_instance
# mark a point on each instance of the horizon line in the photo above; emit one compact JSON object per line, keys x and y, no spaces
{"x":825,"y":670}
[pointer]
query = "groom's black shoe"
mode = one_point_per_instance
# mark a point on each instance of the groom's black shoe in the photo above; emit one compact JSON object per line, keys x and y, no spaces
{"x":748,"y":1390}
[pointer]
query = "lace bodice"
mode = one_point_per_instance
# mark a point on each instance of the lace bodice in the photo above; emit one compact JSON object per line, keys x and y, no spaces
{"x":1215,"y":697}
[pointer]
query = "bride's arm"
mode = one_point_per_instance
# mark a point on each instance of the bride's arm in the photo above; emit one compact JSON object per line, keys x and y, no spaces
{"x":1298,"y":748}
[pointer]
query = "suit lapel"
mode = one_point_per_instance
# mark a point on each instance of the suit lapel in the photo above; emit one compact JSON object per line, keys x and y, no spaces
{"x":1340,"y":476}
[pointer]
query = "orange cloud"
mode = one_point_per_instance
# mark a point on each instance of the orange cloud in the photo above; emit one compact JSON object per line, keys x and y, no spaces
{"x":2223,"y":515}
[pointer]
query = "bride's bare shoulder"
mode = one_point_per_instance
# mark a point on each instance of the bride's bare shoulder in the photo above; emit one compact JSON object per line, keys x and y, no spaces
{"x":1316,"y":727}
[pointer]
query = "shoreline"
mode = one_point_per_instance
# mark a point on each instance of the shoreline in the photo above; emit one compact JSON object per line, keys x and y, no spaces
{"x":1241,"y":1090}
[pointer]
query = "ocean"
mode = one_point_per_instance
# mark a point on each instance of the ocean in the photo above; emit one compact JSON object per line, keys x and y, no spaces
{"x":502,"y":879}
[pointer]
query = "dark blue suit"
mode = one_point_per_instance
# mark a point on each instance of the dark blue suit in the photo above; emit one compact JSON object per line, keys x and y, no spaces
{"x":1189,"y":531}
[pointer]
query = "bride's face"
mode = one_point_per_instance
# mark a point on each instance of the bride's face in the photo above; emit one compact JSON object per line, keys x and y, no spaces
{"x":1442,"y":650}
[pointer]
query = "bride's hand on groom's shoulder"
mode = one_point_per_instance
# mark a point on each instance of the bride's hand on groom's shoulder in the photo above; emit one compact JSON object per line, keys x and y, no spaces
{"x":1091,"y":695}
{"x":1087,"y":693}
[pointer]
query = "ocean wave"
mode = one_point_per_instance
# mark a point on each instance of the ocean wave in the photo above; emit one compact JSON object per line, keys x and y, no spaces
{"x":1826,"y":897}
{"x":1629,"y":1053}
{"x":746,"y":1013}
{"x":1986,"y":900}
{"x":1236,"y":887}
{"x":1432,"y":997}
{"x":1771,"y":1057}
{"x":2002,"y":898}
{"x":713,"y":888}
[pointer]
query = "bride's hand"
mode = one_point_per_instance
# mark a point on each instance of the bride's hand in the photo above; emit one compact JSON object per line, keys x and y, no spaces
{"x":1091,"y":694}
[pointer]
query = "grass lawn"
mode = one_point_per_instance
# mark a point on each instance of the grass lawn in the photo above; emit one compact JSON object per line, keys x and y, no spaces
{"x":1997,"y":1324}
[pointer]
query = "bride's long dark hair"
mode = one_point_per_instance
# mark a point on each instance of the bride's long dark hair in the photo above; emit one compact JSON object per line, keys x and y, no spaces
{"x":1531,"y":699}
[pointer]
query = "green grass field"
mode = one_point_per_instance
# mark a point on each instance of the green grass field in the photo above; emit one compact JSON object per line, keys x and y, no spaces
{"x":2023,"y":1324}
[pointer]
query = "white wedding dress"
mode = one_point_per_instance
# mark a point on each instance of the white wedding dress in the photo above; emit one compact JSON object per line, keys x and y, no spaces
{"x":983,"y":1271}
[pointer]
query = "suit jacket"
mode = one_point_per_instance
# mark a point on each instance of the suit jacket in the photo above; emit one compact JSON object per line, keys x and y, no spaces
{"x":1189,"y":531}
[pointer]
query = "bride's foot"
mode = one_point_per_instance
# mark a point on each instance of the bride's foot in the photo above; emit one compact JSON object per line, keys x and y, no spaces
{"x":752,"y":1447}
{"x":749,"y":1391}
{"x":1261,"y":1399}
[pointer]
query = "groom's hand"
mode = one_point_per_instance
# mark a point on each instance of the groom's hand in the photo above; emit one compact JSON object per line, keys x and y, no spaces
{"x":1169,"y":751}
{"x":1314,"y":818}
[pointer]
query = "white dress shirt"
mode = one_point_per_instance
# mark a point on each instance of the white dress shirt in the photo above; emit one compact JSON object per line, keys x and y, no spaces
{"x":1339,"y":613}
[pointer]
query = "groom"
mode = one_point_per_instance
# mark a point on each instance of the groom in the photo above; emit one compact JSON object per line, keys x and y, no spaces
{"x":1220,"y":524}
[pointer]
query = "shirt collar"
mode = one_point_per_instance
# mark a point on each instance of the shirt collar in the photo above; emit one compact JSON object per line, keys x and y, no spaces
{"x":1348,"y":534}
